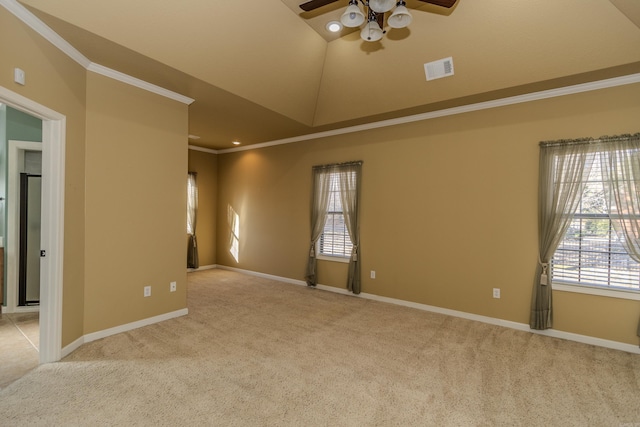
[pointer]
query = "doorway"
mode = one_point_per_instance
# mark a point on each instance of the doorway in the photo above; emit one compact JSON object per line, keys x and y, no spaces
{"x":29,"y":252}
{"x":23,"y":234}
{"x":52,"y":221}
{"x":20,"y":325}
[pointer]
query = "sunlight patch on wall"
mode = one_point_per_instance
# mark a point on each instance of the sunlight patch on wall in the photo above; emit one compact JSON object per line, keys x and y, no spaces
{"x":234,"y":232}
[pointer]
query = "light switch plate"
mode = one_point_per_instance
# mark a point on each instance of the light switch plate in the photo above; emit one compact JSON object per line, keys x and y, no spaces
{"x":19,"y":76}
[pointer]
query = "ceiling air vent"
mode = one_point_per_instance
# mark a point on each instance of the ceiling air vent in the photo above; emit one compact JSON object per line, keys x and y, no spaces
{"x":440,"y":68}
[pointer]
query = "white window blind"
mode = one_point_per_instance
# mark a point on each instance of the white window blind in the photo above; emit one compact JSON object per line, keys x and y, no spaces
{"x":335,"y":240}
{"x":591,"y":252}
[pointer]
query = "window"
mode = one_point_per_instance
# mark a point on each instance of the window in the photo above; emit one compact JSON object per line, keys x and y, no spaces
{"x":192,"y":202}
{"x":591,"y":252}
{"x":334,"y":240}
{"x":335,"y":223}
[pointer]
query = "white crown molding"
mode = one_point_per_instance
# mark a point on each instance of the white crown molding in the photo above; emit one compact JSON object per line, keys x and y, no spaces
{"x":206,"y":150}
{"x":529,"y":97}
{"x":585,"y":339}
{"x":52,"y":37}
{"x":41,"y":28}
{"x":45,"y":31}
{"x":125,"y":78}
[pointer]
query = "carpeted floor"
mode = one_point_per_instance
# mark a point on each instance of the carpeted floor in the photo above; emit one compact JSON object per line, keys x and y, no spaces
{"x":254,"y":352}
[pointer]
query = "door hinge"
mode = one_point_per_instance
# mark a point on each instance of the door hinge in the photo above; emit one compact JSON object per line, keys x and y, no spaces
{"x":43,"y":253}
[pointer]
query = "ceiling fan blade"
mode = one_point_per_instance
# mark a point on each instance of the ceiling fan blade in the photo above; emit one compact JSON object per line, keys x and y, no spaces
{"x":314,"y":4}
{"x":443,"y":3}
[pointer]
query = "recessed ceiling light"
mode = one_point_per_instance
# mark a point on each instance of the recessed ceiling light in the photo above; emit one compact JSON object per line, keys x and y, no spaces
{"x":333,"y":26}
{"x":236,"y":142}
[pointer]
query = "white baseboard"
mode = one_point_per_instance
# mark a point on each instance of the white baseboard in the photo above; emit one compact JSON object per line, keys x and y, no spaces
{"x":67,"y":350}
{"x":70,"y":348}
{"x":122,"y":328}
{"x":202,"y":267}
{"x":585,"y":339}
{"x":134,"y":325}
{"x":21,"y":309}
{"x":268,"y":276}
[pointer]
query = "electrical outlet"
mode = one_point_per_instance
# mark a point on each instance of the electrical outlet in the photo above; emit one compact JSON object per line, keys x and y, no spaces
{"x":496,"y":292}
{"x":147,"y":291}
{"x":373,"y":274}
{"x":172,"y":287}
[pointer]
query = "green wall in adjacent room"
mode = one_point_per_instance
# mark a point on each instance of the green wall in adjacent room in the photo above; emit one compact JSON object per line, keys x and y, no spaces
{"x":18,"y":126}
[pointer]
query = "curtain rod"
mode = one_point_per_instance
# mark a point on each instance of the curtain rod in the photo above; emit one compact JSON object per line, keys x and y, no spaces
{"x":332,"y":165}
{"x":579,"y":141}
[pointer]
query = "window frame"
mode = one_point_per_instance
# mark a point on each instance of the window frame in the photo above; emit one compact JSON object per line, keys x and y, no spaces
{"x":596,"y":290}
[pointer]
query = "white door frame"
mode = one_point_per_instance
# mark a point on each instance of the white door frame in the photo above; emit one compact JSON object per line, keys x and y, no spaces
{"x":52,"y":233}
{"x":15,"y":158}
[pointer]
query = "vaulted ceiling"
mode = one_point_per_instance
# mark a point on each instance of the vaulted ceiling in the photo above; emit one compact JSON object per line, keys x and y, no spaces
{"x":265,"y":70}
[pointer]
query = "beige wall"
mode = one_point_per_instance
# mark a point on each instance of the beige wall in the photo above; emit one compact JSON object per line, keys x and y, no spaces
{"x":136,"y":168}
{"x":449,"y":205}
{"x":448,"y":208}
{"x":56,"y":81}
{"x":125,"y":161}
{"x":206,"y":166}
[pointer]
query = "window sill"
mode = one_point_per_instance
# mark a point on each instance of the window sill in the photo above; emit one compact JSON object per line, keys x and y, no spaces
{"x":333,"y":258}
{"x":592,"y":290}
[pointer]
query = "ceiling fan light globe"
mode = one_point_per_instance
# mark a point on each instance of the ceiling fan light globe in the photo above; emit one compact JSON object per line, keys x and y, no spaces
{"x":400,"y":18}
{"x":352,"y":16}
{"x":381,"y":6}
{"x":371,"y":32}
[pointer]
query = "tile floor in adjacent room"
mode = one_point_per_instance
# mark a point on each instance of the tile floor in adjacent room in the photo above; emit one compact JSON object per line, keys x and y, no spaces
{"x":19,"y":342}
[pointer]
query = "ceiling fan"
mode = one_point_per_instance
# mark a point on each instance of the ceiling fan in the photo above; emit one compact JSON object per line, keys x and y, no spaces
{"x":373,"y":30}
{"x":314,"y":4}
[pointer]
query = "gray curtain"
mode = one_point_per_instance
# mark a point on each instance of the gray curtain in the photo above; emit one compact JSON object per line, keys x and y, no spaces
{"x":564,"y":168}
{"x":192,"y":210}
{"x":350,"y":177}
{"x":319,"y":204}
{"x":620,"y":163}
